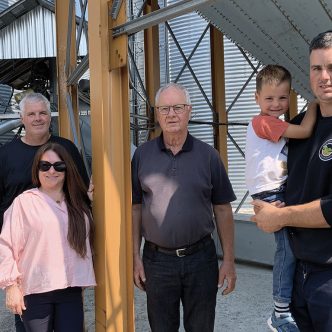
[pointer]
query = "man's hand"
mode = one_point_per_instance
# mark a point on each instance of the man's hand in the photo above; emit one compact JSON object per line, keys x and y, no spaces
{"x":266,"y":216}
{"x":227,"y":272}
{"x":139,"y":274}
{"x":14,"y":299}
{"x":90,"y":190}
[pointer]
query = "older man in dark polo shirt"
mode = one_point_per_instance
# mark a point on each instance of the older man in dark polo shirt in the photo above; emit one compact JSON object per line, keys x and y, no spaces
{"x":178,"y":182}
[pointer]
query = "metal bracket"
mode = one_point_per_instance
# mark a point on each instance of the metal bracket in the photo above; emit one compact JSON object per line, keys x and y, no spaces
{"x":117,"y":46}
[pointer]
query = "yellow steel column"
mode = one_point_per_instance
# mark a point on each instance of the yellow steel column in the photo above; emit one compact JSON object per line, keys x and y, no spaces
{"x":62,"y":14}
{"x":218,"y":91}
{"x":293,"y":104}
{"x":111,"y":171}
{"x":152,"y":62}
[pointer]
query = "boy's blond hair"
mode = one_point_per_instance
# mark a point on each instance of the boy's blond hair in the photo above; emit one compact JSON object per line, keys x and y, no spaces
{"x":272,"y":74}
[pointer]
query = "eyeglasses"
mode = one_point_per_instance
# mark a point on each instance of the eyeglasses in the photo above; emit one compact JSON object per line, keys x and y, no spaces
{"x":59,"y":166}
{"x":178,"y":109}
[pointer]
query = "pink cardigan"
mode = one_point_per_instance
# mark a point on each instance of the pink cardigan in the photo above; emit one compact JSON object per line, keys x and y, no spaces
{"x":34,"y":247}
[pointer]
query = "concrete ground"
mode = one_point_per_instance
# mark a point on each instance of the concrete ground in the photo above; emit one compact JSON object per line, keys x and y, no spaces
{"x":246,"y":309}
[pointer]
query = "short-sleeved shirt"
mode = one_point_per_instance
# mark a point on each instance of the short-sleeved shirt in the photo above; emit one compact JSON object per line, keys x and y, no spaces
{"x":177,"y":191}
{"x":266,"y":154}
{"x":268,"y":127}
{"x":16,"y":160}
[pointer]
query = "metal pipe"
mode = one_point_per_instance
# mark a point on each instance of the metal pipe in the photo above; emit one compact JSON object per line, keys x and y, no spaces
{"x":7,"y":126}
{"x":159,"y":16}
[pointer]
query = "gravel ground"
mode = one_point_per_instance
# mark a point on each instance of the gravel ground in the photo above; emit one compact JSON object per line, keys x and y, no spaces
{"x":246,"y":309}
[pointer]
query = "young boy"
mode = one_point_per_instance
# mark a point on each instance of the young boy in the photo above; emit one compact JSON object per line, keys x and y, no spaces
{"x":266,"y":174}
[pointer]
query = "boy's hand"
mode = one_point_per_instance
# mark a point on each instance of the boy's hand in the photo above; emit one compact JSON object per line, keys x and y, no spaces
{"x":267,"y":216}
{"x":278,"y":204}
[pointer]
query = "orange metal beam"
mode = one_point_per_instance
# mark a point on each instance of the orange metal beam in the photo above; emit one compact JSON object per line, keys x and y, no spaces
{"x":111,"y":171}
{"x":152,"y":62}
{"x":293,"y":104}
{"x":218,"y":92}
{"x":61,"y":15}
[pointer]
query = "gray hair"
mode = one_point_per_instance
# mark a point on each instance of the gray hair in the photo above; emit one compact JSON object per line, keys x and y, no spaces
{"x":321,"y":41}
{"x":175,"y":86}
{"x":34,"y":98}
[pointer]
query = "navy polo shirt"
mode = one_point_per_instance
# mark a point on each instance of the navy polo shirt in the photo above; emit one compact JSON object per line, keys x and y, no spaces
{"x":309,"y":179}
{"x":177,"y":191}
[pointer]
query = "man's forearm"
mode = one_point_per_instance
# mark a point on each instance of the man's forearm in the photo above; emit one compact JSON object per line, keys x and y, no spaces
{"x":305,"y":215}
{"x":137,"y":222}
{"x":270,"y":218}
{"x":225,"y":227}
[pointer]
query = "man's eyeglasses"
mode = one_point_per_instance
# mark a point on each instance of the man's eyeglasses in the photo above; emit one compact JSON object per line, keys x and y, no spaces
{"x":59,"y":166}
{"x":178,"y":109}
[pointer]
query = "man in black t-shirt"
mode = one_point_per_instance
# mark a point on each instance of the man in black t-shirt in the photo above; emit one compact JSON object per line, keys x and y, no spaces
{"x":308,"y":213}
{"x":16,"y":157}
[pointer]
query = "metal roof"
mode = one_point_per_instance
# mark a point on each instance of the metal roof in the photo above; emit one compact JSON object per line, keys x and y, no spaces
{"x":274,"y":31}
{"x":10,"y":10}
{"x":4,"y":4}
{"x":30,"y":31}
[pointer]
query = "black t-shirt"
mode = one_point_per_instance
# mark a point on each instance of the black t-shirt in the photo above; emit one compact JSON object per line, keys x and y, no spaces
{"x":309,"y":179}
{"x":16,"y":160}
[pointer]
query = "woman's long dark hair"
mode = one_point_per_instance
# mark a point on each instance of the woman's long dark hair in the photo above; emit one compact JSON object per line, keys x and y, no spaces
{"x":77,"y":200}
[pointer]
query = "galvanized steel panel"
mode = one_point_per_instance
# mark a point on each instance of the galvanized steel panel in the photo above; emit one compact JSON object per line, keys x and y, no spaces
{"x":201,"y":65}
{"x":187,"y":30}
{"x":269,"y":38}
{"x":32,"y":36}
{"x":274,"y":31}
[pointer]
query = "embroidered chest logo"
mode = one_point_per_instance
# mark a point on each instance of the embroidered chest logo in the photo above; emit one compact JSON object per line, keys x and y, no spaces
{"x":325,"y":151}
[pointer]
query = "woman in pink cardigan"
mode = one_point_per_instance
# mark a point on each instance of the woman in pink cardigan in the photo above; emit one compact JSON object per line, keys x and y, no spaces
{"x":45,"y":246}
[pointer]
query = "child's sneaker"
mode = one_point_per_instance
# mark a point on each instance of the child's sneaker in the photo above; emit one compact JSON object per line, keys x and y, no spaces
{"x":285,"y":323}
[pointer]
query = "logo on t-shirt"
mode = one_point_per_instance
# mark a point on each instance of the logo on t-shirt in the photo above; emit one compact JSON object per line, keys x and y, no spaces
{"x":325,"y":151}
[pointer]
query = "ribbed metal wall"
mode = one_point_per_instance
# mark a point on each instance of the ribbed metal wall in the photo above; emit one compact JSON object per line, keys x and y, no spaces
{"x":237,"y":72}
{"x":32,"y":36}
{"x":187,"y":30}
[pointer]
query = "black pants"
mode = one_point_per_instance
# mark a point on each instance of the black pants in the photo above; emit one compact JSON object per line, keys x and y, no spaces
{"x":60,"y":311}
{"x":192,"y":280}
{"x":312,"y":298}
{"x":19,"y":327}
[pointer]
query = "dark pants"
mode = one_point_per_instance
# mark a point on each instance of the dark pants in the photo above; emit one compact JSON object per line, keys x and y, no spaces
{"x":312,"y":298}
{"x":19,"y":327}
{"x":192,"y":279}
{"x":60,"y":310}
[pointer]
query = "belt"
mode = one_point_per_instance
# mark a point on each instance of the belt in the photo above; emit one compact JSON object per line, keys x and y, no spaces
{"x":181,"y":252}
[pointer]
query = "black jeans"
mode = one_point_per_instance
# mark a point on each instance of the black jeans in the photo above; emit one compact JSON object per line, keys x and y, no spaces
{"x":19,"y":326}
{"x":60,"y":311}
{"x":192,"y":279}
{"x":312,"y":298}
